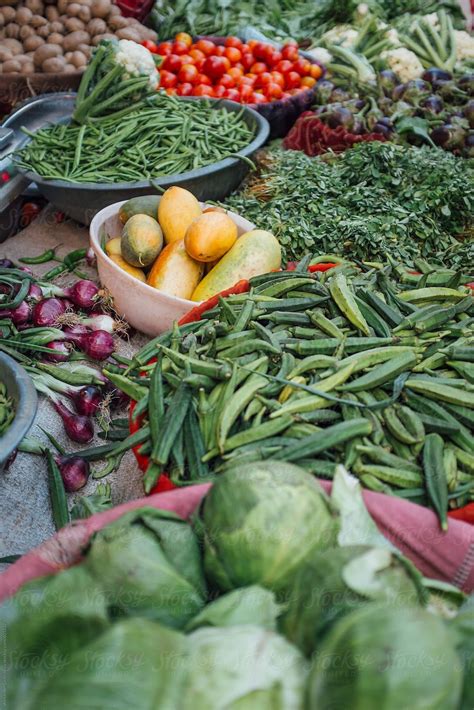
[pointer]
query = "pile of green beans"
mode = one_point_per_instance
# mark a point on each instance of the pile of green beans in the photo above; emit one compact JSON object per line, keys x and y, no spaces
{"x":353,"y":366}
{"x":7,"y":410}
{"x":161,"y":136}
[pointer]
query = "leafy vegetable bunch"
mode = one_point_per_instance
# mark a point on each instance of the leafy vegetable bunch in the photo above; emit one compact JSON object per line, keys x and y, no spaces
{"x":373,"y":201}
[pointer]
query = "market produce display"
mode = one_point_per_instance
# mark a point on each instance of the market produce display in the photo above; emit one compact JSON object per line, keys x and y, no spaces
{"x":55,"y":37}
{"x":191,"y":253}
{"x":7,"y":409}
{"x":374,"y":201}
{"x":249,"y":72}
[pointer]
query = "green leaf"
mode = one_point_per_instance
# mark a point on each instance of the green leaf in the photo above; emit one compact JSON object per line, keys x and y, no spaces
{"x":249,"y":605}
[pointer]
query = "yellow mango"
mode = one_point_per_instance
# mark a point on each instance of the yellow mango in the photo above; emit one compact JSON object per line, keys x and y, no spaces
{"x":210,"y":236}
{"x":125,"y":266}
{"x":174,"y":272}
{"x":177,"y":209}
{"x":112,"y":247}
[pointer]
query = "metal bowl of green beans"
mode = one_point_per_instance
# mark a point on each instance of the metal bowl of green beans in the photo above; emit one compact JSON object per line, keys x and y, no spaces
{"x":18,"y":403}
{"x":202,"y":145}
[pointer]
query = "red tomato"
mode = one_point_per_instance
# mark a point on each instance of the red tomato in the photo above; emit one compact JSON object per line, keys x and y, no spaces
{"x":196,"y":54}
{"x":278,"y":78}
{"x":185,"y":89}
{"x":167,"y":79}
{"x":227,"y":81}
{"x":235,"y":73}
{"x":245,"y":48}
{"x":285,"y":95}
{"x":233,"y":54}
{"x":233,"y":42}
{"x":284,"y":66}
{"x":151,"y":46}
{"x":215,"y":67}
{"x":219,"y":51}
{"x":247,"y":60}
{"x":188,"y":74}
{"x":248,"y":80}
{"x":186,"y":59}
{"x":180,"y":48}
{"x":164,"y":48}
{"x":316,"y":72}
{"x":199,"y":64}
{"x":203,"y":90}
{"x":262,"y":50}
{"x":205,"y":46}
{"x":302,"y":66}
{"x":172,"y":63}
{"x":292,"y":80}
{"x":232,"y":94}
{"x":258,"y":98}
{"x":252,"y":43}
{"x":308,"y":82}
{"x":263,"y":79}
{"x":258,"y":68}
{"x":273,"y":91}
{"x":246,"y":92}
{"x":274,"y":58}
{"x":203,"y":79}
{"x":219,"y":91}
{"x":184,"y":38}
{"x":289,"y":51}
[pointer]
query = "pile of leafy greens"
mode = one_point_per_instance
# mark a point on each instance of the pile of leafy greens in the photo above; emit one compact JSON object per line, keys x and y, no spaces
{"x":374,"y":201}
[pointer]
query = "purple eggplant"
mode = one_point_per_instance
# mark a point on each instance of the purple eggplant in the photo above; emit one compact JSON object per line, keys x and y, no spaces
{"x":415,"y":90}
{"x":339,"y":95}
{"x":324,"y":90}
{"x":398,"y":91}
{"x":468,"y":112}
{"x":433,"y":104}
{"x":387,"y":80}
{"x":340,"y":117}
{"x":469,"y":146}
{"x":466,"y":83}
{"x":450,"y":136}
{"x":385,"y":104}
{"x":434,"y":74}
{"x":383,"y":129}
{"x":449,"y":91}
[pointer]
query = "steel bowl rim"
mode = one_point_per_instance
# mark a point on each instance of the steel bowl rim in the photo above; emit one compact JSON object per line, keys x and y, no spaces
{"x":26,"y":407}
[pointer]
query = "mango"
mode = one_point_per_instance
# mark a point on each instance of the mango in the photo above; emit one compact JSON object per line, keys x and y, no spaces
{"x":254,"y":253}
{"x":174,"y":272}
{"x":145,"y":204}
{"x":210,"y":236}
{"x":112,"y":247}
{"x":132,"y":270}
{"x":142,"y":240}
{"x":177,"y":209}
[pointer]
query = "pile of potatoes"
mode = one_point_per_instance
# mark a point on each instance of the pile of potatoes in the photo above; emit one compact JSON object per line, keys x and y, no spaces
{"x":55,"y":36}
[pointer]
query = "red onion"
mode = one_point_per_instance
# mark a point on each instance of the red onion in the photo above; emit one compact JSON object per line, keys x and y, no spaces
{"x":97,"y":344}
{"x":83,"y":293}
{"x":6,"y":264}
{"x":87,"y":400}
{"x":26,"y":269}
{"x":69,"y":305}
{"x":90,"y":257}
{"x":60,"y":351}
{"x":75,"y":329}
{"x":20,"y":315}
{"x":47,"y":311}
{"x":100,"y":322}
{"x":35,"y":293}
{"x":74,"y":472}
{"x":78,"y":427}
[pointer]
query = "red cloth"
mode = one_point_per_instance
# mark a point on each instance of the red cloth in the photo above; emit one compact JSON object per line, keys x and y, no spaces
{"x":413,"y":529}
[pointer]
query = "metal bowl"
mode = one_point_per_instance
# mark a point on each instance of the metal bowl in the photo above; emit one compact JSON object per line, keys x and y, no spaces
{"x":82,"y":201}
{"x":21,"y":389}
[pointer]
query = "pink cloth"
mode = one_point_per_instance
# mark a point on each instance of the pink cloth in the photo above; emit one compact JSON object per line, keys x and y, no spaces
{"x":413,"y":529}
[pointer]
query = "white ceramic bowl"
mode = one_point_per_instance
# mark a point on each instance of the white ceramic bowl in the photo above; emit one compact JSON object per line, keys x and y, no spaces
{"x":143,"y":306}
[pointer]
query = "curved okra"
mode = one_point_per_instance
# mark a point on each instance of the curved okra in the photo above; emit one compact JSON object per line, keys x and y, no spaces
{"x":465,"y":369}
{"x":396,"y":428}
{"x":385,"y":372}
{"x":271,"y":389}
{"x":375,"y":321}
{"x":311,"y":363}
{"x":244,"y":317}
{"x":465,"y":459}
{"x":374,"y":484}
{"x":282,"y":286}
{"x":171,"y":424}
{"x":390,"y":315}
{"x":403,"y":451}
{"x":248,"y":436}
{"x":379,"y":455}
{"x":374,"y":417}
{"x":324,"y":324}
{"x":253,"y":409}
{"x":265,"y":334}
{"x":344,"y":298}
{"x":402,"y":478}
{"x":234,"y":338}
{"x":445,"y":393}
{"x":447,"y":414}
{"x":450,"y":464}
{"x":328,"y":438}
{"x":368,"y":358}
{"x":435,"y":476}
{"x":350,"y":453}
{"x":439,"y":293}
{"x":412,"y":422}
{"x":235,"y":405}
{"x":216,"y":370}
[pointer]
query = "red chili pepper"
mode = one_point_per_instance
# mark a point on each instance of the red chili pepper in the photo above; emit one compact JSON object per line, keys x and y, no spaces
{"x":414,"y":273}
{"x":195,"y":313}
{"x":321,"y":267}
{"x":470,"y":285}
{"x":465,"y":514}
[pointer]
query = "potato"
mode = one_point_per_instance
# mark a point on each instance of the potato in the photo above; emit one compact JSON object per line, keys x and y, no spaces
{"x":11,"y":66}
{"x":46,"y":51}
{"x":38,"y":21}
{"x":53,"y":65}
{"x":36,"y":6}
{"x":84,"y":13}
{"x":73,"y":9}
{"x":23,"y":16}
{"x":78,"y":59}
{"x":117,"y":22}
{"x":12,"y":30}
{"x":2,"y":21}
{"x":5,"y":54}
{"x":84,"y":48}
{"x":52,"y":13}
{"x":28,"y":68}
{"x":128,"y":33}
{"x":96,"y":27}
{"x":69,"y":68}
{"x":22,"y":58}
{"x":72,"y":40}
{"x":13,"y":45}
{"x":26,"y":31}
{"x":98,"y":38}
{"x":56,"y":26}
{"x":8,"y":13}
{"x":32,"y":43}
{"x":115,"y":11}
{"x":43,"y":31}
{"x":101,"y":8}
{"x":55,"y":38}
{"x":62,"y":6}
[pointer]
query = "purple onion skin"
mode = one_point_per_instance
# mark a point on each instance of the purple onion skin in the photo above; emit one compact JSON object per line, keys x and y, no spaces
{"x":26,"y":269}
{"x":47,"y":311}
{"x":90,"y":257}
{"x":87,"y":401}
{"x":83,"y":294}
{"x":20,"y":315}
{"x":96,"y":344}
{"x":60,"y":351}
{"x":77,"y":329}
{"x":78,"y":427}
{"x":6,"y":264}
{"x":35,"y":293}
{"x":74,"y":472}
{"x":68,"y":305}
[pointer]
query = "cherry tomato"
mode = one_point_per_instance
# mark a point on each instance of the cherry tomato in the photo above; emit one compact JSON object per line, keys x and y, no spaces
{"x":227,"y":81}
{"x":171,"y":91}
{"x":248,"y":79}
{"x":289,"y":51}
{"x":235,"y":73}
{"x":184,"y":38}
{"x":233,"y":42}
{"x":203,"y":79}
{"x":172,"y":63}
{"x":180,"y":48}
{"x":302,"y":66}
{"x":164,"y":48}
{"x":261,"y":50}
{"x":219,"y":91}
{"x":263,"y":79}
{"x":219,"y":51}
{"x":245,"y":93}
{"x":308,"y":82}
{"x":185,"y":89}
{"x":278,"y":78}
{"x":203,"y":90}
{"x":274,"y":58}
{"x":188,"y":73}
{"x":232,"y":94}
{"x":233,"y":54}
{"x":215,"y":67}
{"x":205,"y":46}
{"x":258,"y":98}
{"x":284,"y":66}
{"x":316,"y":72}
{"x":292,"y":80}
{"x":273,"y":91}
{"x":252,"y":43}
{"x":245,"y":48}
{"x":247,"y":60}
{"x":258,"y":68}
{"x":186,"y":59}
{"x":167,"y":79}
{"x":196,"y":54}
{"x":199,"y":64}
{"x":151,"y":46}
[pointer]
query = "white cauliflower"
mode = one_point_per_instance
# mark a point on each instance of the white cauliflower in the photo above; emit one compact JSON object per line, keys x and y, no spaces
{"x":137,"y":60}
{"x":321,"y":55}
{"x":404,"y":63}
{"x":343,"y":35}
{"x":362,"y":9}
{"x":392,"y":35}
{"x":464,"y":45}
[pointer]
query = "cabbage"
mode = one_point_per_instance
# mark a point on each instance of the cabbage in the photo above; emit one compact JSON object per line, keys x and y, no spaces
{"x":261,"y":522}
{"x":250,"y":605}
{"x":243,"y":668}
{"x":463,"y":624}
{"x":148,"y":563}
{"x":334,"y":582}
{"x":386,"y":657}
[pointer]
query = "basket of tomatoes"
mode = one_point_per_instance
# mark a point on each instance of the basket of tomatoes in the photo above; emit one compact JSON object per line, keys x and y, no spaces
{"x":279,"y":82}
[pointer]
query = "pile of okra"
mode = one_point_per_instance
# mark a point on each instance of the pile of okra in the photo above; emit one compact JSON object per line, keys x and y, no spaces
{"x":366,"y":366}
